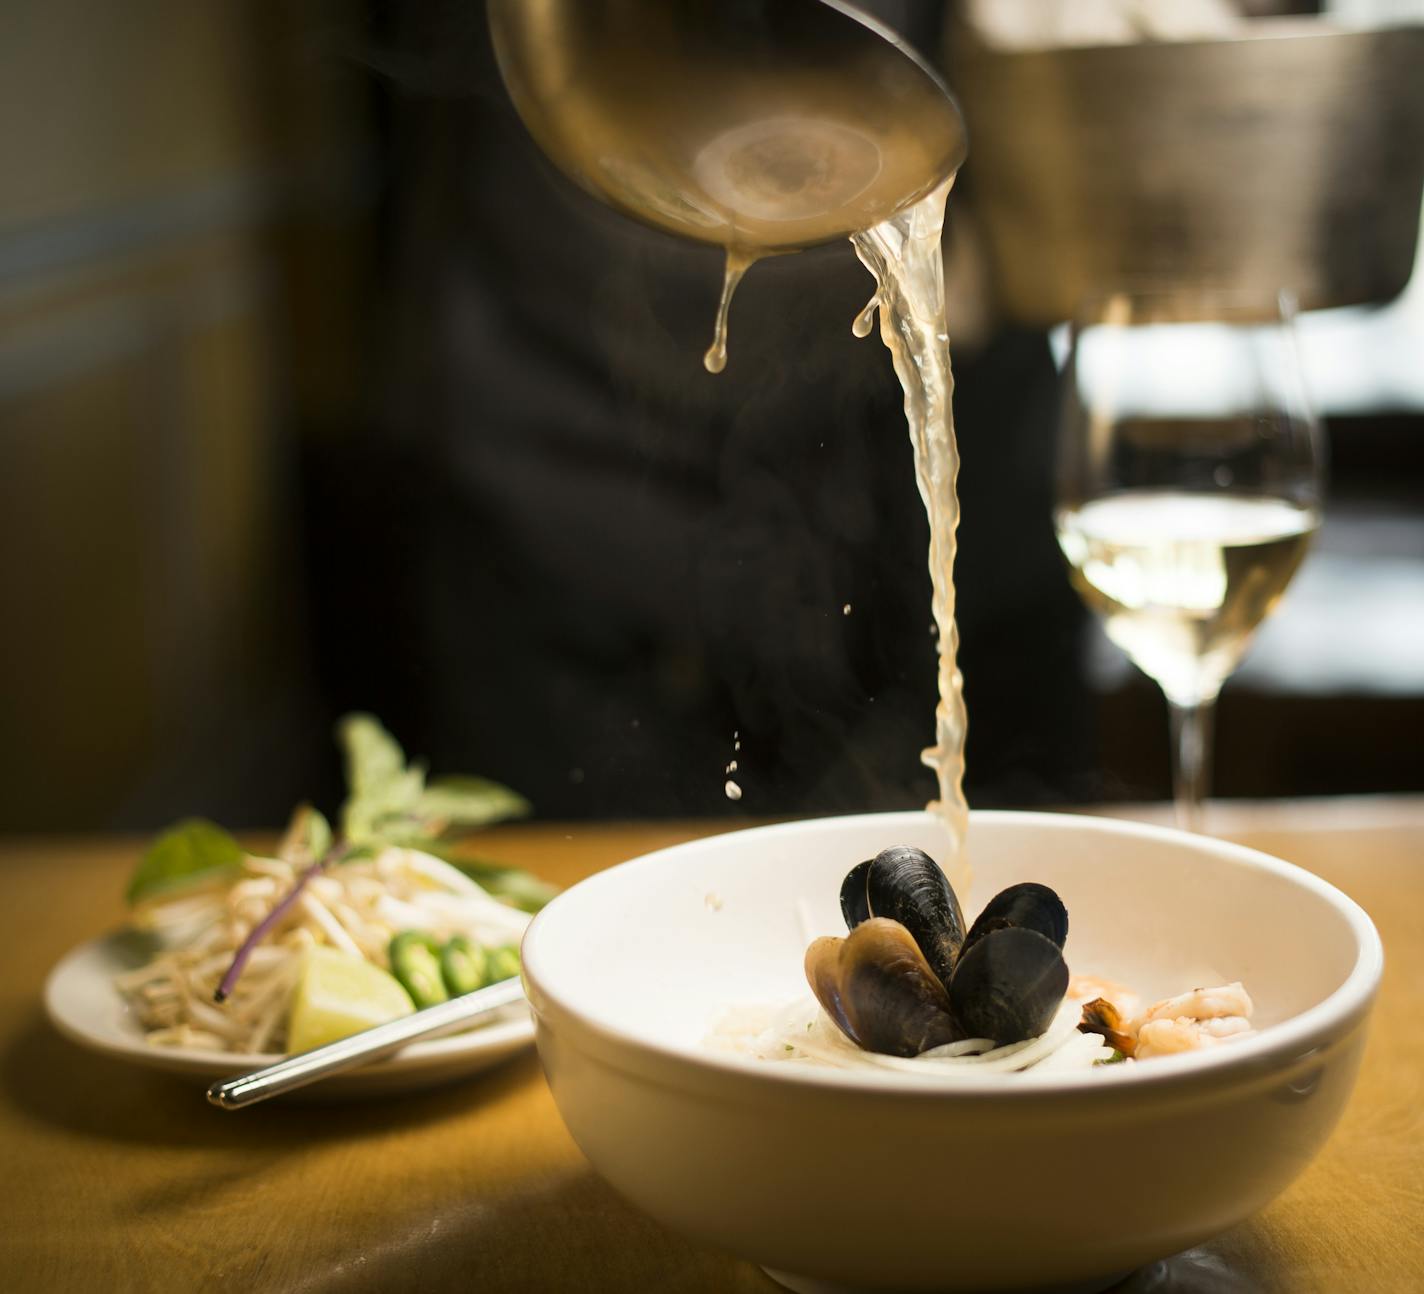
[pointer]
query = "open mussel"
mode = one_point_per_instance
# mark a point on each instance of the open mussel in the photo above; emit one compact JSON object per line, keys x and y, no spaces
{"x":1104,"y":1019}
{"x":908,"y":886}
{"x":1029,"y":906}
{"x":1004,"y":979}
{"x":1008,"y":985}
{"x":878,"y":987}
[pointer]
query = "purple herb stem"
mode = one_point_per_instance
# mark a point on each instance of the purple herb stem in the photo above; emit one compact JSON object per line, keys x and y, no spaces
{"x":264,"y":927}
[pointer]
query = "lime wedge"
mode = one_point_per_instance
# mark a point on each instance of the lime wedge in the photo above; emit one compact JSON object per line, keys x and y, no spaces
{"x":338,"y":995}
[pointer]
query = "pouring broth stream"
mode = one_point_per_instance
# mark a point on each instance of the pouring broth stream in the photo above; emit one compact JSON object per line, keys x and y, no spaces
{"x":903,"y":254}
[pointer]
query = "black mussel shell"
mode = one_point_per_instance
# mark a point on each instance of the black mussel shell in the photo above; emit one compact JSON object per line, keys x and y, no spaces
{"x":1008,"y":985}
{"x":907,"y":885}
{"x":878,"y":988}
{"x":855,"y":902}
{"x":1029,"y":906}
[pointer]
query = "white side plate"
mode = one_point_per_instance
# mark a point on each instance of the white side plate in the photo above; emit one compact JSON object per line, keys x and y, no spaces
{"x":83,"y":1004}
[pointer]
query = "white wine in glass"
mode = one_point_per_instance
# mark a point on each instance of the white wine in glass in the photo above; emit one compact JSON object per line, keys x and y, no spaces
{"x":1189,"y":485}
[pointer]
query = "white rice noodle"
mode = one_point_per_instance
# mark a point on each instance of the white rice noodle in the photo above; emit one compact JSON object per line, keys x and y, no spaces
{"x":965,"y":1047}
{"x":1077,"y":1051}
{"x":802,"y":1032}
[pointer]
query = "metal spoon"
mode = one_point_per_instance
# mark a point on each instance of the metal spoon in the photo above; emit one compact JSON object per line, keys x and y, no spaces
{"x":767,"y":125}
{"x":370,"y":1044}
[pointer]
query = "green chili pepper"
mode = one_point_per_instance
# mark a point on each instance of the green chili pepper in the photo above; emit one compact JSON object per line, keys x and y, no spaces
{"x":415,"y":961}
{"x":463,"y":965}
{"x":503,"y":963}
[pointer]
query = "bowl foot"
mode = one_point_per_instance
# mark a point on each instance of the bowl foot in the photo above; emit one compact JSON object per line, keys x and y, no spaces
{"x":811,"y":1285}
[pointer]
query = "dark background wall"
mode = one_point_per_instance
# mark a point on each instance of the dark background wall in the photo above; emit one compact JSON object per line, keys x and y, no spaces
{"x":319,"y":389}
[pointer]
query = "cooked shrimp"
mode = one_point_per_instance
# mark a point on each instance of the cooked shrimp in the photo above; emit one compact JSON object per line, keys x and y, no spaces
{"x":1166,"y":1037}
{"x":1202,"y":1004}
{"x":1086,"y":988}
{"x":1202,"y":1017}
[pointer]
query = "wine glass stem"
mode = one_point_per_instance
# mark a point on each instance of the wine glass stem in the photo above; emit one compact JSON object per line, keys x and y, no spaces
{"x":1191,"y":759}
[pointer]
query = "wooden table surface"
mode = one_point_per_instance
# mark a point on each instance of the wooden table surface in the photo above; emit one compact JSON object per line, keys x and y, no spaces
{"x":117,"y":1178}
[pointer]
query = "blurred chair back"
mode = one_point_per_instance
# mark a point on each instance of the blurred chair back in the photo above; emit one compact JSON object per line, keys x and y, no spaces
{"x":1291,"y":160}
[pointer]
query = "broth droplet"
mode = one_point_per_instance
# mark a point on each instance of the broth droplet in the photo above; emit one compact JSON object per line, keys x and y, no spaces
{"x":865,"y":320}
{"x":734,"y":792}
{"x":738,"y":262}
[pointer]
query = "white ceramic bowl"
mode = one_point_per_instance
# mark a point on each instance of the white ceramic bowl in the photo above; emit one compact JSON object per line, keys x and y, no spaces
{"x":836,"y":1180}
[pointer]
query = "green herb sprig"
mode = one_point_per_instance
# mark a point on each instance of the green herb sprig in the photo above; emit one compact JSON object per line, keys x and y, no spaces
{"x":389,"y":803}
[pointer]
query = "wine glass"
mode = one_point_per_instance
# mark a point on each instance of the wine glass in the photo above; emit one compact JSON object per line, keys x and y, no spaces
{"x":1190,"y":481}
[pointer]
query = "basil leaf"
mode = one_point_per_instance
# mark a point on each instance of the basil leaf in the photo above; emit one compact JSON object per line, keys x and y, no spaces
{"x":318,"y":833}
{"x":308,"y":835}
{"x":469,"y":802}
{"x":513,"y":885}
{"x":373,"y":756}
{"x":517,"y":887}
{"x":361,"y":853}
{"x":380,"y":785}
{"x":190,"y":851}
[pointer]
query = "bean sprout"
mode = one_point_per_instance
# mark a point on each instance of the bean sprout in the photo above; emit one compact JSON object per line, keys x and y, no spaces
{"x":355,"y":906}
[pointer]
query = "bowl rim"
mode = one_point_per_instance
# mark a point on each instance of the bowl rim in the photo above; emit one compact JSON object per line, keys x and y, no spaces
{"x":1301,"y":1038}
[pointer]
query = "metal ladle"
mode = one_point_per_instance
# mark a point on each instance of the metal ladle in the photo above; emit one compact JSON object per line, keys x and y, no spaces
{"x":757,"y":125}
